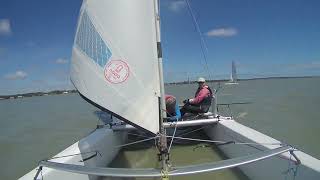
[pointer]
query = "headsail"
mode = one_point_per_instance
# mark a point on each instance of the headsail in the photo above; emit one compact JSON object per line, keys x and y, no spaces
{"x":114,"y":59}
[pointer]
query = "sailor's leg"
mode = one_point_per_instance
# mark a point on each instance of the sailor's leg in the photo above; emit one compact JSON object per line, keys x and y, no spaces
{"x":188,"y":108}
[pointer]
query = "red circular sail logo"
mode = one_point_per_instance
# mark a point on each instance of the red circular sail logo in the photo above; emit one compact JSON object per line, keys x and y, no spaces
{"x":116,"y":71}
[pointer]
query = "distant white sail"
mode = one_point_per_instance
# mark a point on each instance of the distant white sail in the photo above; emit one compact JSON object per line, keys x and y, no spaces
{"x":114,"y":59}
{"x":233,"y":75}
{"x":233,"y":72}
{"x":231,"y":78}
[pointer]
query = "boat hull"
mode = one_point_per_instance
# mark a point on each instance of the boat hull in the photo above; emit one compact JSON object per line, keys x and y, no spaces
{"x":97,"y":149}
{"x":273,"y":168}
{"x":104,"y":141}
{"x":231,"y":83}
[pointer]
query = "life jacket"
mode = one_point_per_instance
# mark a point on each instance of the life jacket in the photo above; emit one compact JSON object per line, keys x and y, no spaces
{"x":206,"y":102}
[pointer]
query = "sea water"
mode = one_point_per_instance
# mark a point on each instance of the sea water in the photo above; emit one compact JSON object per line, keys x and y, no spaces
{"x":36,"y":128}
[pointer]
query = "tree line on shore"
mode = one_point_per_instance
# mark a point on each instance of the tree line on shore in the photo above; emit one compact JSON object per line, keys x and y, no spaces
{"x":22,"y":95}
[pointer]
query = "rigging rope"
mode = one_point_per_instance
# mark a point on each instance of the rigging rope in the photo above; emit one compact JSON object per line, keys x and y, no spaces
{"x":164,"y":175}
{"x":128,"y":144}
{"x":139,"y":135}
{"x":175,"y":128}
{"x":226,"y":142}
{"x":290,"y":169}
{"x":174,"y":133}
{"x":204,"y":48}
{"x":192,"y":131}
{"x":193,"y":139}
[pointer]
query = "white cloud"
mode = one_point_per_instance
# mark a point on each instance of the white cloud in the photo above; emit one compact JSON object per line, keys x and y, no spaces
{"x":17,"y":75}
{"x":176,"y":6}
{"x":61,"y":61}
{"x":5,"y":28}
{"x":222,"y":32}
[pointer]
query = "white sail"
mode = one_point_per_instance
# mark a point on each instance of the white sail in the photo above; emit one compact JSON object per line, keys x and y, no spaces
{"x":231,"y":78}
{"x":233,"y":72}
{"x":115,"y":60}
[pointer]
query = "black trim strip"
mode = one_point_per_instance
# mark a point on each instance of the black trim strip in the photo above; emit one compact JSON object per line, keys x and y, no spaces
{"x":90,"y":157}
{"x":159,"y":104}
{"x":159,"y":49}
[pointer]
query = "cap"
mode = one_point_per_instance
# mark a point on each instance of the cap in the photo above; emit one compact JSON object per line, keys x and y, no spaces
{"x":201,"y":80}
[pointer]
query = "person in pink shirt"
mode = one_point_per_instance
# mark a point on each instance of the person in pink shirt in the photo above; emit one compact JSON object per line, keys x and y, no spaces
{"x":201,"y":101}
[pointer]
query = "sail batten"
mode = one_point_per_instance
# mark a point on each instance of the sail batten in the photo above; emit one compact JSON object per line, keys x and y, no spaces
{"x":114,"y":60}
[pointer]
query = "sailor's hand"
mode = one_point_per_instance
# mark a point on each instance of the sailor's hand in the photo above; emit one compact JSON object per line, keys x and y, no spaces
{"x":185,"y":101}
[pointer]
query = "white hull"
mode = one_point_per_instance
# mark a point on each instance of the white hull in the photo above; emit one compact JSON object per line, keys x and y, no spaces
{"x":231,"y":83}
{"x":104,"y":140}
{"x":273,"y":168}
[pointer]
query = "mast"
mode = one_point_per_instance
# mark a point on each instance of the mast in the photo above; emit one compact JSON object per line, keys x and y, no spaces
{"x":163,"y":139}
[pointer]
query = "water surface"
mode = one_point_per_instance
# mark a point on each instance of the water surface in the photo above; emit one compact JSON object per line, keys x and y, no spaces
{"x":36,"y":128}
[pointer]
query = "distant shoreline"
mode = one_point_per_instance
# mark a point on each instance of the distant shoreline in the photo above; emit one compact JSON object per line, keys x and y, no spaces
{"x":57,"y":92}
{"x":32,"y":94}
{"x":246,"y":79}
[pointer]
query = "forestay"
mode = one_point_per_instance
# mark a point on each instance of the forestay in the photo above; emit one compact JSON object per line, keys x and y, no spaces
{"x":114,"y":59}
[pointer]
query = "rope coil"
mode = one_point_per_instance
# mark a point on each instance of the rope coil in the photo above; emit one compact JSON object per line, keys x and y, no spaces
{"x":164,"y":175}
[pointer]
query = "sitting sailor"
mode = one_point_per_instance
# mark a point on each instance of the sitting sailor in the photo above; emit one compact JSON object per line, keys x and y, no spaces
{"x":173,"y":111}
{"x":201,"y":101}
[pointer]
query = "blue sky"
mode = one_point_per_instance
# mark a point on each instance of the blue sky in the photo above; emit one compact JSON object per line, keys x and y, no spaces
{"x":264,"y":38}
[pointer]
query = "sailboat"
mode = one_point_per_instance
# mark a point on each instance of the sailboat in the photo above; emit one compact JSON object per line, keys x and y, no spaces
{"x":233,"y":75}
{"x":117,"y":67}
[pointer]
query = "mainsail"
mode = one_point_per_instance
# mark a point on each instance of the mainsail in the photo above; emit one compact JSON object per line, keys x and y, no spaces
{"x":233,"y":72}
{"x":115,"y":59}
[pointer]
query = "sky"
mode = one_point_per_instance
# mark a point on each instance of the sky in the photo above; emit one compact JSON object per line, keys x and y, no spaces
{"x":264,"y":38}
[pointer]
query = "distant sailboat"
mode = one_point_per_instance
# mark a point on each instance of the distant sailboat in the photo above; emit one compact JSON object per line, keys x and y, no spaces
{"x":233,"y":75}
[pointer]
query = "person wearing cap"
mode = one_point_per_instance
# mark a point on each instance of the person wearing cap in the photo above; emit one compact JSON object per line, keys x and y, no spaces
{"x":172,"y":108}
{"x":201,"y":101}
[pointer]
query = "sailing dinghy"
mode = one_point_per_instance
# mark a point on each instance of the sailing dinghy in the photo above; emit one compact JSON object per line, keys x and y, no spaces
{"x":233,"y":75}
{"x":117,"y":67}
